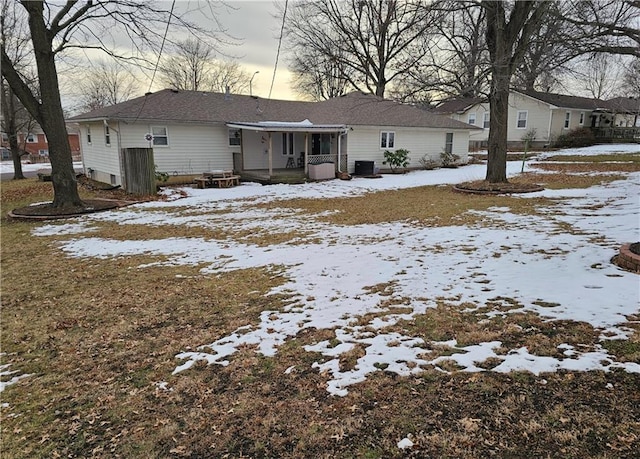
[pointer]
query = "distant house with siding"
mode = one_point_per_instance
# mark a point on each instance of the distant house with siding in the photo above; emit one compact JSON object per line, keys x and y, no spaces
{"x":549,"y":114}
{"x":192,"y":132}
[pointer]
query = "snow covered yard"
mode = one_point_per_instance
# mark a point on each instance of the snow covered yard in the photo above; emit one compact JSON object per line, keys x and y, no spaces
{"x":363,"y":318}
{"x":532,"y":262}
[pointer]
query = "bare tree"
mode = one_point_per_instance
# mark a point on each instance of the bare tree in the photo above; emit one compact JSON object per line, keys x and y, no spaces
{"x":55,"y":27}
{"x":377,"y":40}
{"x":108,"y":83}
{"x":192,"y":67}
{"x":15,"y":118}
{"x":550,"y":49}
{"x":631,"y":85}
{"x":461,"y":58}
{"x":507,"y":41}
{"x":605,"y":26}
{"x":601,"y":74}
{"x":319,"y":76}
{"x":188,"y":67}
{"x":229,"y":75}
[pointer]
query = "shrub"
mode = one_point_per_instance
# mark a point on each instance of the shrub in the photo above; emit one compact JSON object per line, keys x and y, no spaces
{"x":449,"y":159}
{"x":427,"y":163}
{"x":161,"y":176}
{"x":396,"y":159}
{"x":580,"y":137}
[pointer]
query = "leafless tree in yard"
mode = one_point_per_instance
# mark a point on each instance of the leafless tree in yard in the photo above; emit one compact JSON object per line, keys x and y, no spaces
{"x":318,"y":76}
{"x":192,"y":67}
{"x":56,"y":27}
{"x":374,"y":41}
{"x":460,"y":57}
{"x":15,"y":118}
{"x":107,"y":83}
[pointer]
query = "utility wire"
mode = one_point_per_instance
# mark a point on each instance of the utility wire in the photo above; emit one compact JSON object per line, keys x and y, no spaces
{"x":164,"y":38}
{"x":275,"y":67}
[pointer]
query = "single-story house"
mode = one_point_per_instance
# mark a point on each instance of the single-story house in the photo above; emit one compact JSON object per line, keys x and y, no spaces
{"x":192,"y":132}
{"x":547,"y":115}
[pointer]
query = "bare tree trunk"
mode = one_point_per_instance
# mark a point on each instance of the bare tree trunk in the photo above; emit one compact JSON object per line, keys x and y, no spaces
{"x":50,"y":115}
{"x":497,"y":143}
{"x":11,"y":129}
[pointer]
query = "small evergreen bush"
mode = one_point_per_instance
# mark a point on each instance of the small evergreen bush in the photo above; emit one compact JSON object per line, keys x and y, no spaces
{"x":396,"y":159}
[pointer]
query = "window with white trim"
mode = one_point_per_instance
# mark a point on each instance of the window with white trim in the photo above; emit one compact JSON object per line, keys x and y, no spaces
{"x":472,"y":119}
{"x":89,"y":134}
{"x":486,"y":120}
{"x":234,"y":137}
{"x":581,"y":119}
{"x":567,"y":120}
{"x":287,"y":144}
{"x":521,"y":122}
{"x":448,"y":143}
{"x":160,"y":136}
{"x":43,"y":152}
{"x":32,"y":138}
{"x":107,"y":135}
{"x":387,"y":139}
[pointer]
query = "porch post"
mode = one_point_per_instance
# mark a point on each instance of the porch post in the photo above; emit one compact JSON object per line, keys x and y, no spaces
{"x":306,"y":153}
{"x":270,"y":155}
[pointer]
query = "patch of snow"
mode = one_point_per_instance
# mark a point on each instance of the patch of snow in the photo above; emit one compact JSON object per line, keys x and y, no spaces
{"x":533,"y":260}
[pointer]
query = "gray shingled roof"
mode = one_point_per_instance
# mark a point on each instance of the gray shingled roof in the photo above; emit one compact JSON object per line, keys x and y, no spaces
{"x":564,"y":101}
{"x":215,"y":108}
{"x":457,"y":105}
{"x":624,"y":104}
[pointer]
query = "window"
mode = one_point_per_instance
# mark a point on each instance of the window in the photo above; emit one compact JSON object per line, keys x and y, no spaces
{"x":486,"y":120}
{"x":387,"y":139}
{"x":160,"y":136}
{"x":88,"y":134}
{"x":472,"y":119}
{"x":567,"y":120}
{"x":581,"y":118}
{"x":107,"y":135}
{"x":287,"y":144}
{"x":234,"y":137}
{"x":448,"y":143}
{"x":522,"y":120}
{"x":32,"y":138}
{"x":43,"y":152}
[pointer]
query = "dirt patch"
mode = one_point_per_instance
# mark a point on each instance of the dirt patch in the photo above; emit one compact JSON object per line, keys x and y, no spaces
{"x":635,"y":248}
{"x":485,"y":187}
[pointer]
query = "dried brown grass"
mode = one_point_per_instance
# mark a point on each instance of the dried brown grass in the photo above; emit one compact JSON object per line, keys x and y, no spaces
{"x":99,"y":335}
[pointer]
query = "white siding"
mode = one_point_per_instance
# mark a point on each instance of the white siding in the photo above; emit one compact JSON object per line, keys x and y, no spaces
{"x":256,"y":149}
{"x":538,"y":118}
{"x":101,"y":159}
{"x":191,"y":149}
{"x":364,"y":144}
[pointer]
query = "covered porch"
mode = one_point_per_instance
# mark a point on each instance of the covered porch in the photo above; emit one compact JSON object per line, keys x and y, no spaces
{"x":282,"y":152}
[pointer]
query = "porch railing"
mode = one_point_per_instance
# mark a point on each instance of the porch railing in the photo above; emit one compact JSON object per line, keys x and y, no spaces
{"x":617,"y":133}
{"x":330,"y":158}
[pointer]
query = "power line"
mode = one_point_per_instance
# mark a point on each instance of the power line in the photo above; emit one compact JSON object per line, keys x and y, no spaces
{"x":166,"y":30}
{"x":275,"y":67}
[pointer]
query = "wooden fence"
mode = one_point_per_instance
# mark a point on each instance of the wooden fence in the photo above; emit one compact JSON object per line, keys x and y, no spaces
{"x":138,"y":170}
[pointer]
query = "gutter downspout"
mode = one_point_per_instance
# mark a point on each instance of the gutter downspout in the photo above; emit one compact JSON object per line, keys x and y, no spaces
{"x":549,"y":129}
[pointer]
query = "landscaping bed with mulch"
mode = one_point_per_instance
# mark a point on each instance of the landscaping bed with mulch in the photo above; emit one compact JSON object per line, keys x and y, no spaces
{"x":485,"y":187}
{"x":48,"y":211}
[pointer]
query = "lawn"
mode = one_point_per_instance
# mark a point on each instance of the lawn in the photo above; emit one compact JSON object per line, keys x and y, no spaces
{"x":372,"y":318}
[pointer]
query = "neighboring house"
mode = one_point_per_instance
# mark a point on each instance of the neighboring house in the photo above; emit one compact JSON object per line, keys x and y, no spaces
{"x":547,"y":115}
{"x":35,"y":144}
{"x":626,"y":110}
{"x":193,"y":132}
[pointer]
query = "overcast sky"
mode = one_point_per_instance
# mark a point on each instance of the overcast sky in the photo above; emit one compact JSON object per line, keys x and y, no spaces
{"x":254,"y":22}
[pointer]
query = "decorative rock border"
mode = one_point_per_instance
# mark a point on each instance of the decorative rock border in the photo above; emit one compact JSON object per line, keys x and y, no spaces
{"x":627,"y":260}
{"x":101,"y":205}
